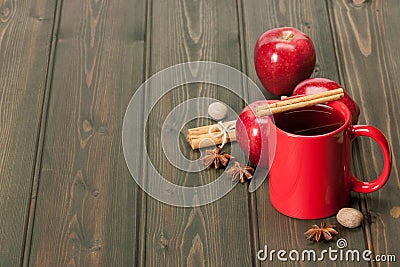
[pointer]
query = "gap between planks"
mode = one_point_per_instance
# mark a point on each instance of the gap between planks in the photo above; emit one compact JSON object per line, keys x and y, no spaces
{"x":141,"y":219}
{"x":251,"y":198}
{"x":25,"y":257}
{"x":363,"y":205}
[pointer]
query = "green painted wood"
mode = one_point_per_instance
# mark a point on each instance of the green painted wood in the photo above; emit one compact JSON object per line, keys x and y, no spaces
{"x":87,"y":201}
{"x":367,"y":46}
{"x":274,"y":229}
{"x":217,"y":234}
{"x":25,"y":37}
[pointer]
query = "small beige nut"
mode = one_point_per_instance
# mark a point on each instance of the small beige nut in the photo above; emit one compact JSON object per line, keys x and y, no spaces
{"x":349,"y":217}
{"x":217,"y":111}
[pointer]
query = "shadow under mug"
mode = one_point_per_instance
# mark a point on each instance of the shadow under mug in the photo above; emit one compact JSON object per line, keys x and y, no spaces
{"x":310,"y":176}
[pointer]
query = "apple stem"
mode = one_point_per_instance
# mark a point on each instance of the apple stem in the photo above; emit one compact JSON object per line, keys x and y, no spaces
{"x":289,"y":36}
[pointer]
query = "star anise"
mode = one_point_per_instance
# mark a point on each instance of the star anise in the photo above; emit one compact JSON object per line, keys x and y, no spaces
{"x":241,"y":173}
{"x":216,"y":158}
{"x":326,"y":231}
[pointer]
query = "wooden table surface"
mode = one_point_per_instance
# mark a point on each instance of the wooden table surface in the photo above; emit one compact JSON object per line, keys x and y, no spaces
{"x":68,"y":70}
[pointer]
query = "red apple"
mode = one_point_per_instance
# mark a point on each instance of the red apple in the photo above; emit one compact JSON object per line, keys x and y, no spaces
{"x":283,"y":57}
{"x":318,"y":85}
{"x":254,"y":134}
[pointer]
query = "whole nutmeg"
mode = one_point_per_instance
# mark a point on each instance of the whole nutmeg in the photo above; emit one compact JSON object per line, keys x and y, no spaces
{"x":217,"y":110}
{"x":349,"y":217}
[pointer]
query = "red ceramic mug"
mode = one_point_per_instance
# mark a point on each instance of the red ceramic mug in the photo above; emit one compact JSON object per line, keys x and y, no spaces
{"x":310,"y":176}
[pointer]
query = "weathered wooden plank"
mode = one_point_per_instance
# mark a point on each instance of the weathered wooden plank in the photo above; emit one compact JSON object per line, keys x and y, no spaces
{"x":367,"y":46}
{"x":274,"y":229}
{"x":87,"y":201}
{"x":25,"y":37}
{"x":217,"y":234}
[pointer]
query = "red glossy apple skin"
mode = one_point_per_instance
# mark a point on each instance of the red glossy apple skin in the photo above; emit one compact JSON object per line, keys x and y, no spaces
{"x":251,"y":134}
{"x":318,"y":85}
{"x":281,"y":61}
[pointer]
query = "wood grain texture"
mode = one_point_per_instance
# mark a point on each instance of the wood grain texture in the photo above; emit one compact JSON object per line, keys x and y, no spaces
{"x":274,"y":229}
{"x":216,"y":234}
{"x":87,"y":200}
{"x":367,"y":47}
{"x":25,"y":35}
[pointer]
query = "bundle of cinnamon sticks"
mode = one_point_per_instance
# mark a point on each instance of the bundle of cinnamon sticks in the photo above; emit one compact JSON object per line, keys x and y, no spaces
{"x":200,"y":137}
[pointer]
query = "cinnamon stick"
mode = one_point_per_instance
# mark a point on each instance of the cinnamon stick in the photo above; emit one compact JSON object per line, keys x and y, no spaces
{"x":206,"y":140}
{"x":299,"y":102}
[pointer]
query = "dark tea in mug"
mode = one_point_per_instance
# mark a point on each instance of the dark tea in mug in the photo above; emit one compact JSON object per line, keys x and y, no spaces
{"x":315,"y":120}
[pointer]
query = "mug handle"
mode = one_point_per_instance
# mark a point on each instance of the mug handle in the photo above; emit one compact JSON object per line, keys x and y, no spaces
{"x":374,"y":133}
